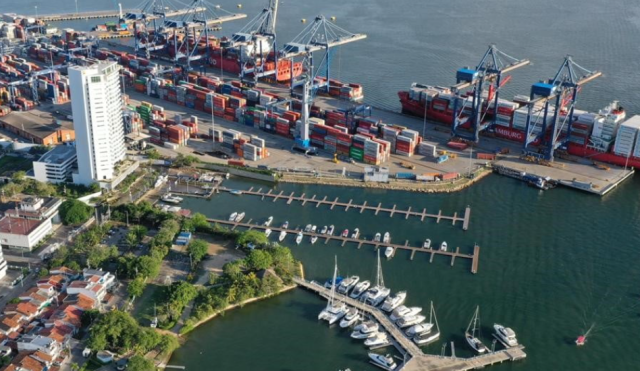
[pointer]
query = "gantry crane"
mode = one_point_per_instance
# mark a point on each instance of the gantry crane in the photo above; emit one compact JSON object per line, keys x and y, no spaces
{"x":256,"y":41}
{"x":564,"y":87}
{"x":321,"y":35}
{"x":487,"y":75}
{"x":32,"y":80}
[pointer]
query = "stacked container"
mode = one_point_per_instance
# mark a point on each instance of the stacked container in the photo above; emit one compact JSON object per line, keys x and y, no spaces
{"x":627,"y":138}
{"x":427,"y":149}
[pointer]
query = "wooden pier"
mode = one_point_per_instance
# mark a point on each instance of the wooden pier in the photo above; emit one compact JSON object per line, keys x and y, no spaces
{"x":324,"y":238}
{"x":416,"y":359}
{"x":350,"y":205}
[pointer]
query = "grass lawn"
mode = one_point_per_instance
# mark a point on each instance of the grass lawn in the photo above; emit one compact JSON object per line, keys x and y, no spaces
{"x":11,"y":163}
{"x":143,"y":306}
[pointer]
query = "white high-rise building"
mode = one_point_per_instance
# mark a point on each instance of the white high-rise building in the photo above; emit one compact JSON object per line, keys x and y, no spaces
{"x":96,"y":102}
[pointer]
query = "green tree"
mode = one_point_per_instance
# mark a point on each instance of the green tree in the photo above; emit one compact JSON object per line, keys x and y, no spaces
{"x":88,"y":316}
{"x":153,"y":154}
{"x":74,"y":212}
{"x":259,"y":259}
{"x":14,"y":301}
{"x":232,"y":269}
{"x":148,"y":266}
{"x":19,"y":176}
{"x":43,"y":272}
{"x":139,"y":363}
{"x":75,"y":367}
{"x":131,"y":239}
{"x":12,"y":189}
{"x":198,"y":250}
{"x":257,"y":238}
{"x":136,"y":287}
{"x":139,"y":231}
{"x":168,"y":344}
{"x":73,"y":265}
{"x":101,"y":253}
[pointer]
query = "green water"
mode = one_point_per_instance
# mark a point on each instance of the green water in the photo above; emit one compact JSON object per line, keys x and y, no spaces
{"x":551,"y":264}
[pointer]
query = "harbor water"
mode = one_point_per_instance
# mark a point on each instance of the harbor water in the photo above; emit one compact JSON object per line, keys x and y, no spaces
{"x":551,"y":264}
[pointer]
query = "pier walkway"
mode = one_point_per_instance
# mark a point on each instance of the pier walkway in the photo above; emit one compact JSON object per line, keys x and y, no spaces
{"x":416,"y":359}
{"x":350,"y":205}
{"x":359,"y":242}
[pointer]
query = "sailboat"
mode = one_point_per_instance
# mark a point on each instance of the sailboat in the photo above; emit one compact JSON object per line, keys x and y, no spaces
{"x":470,"y":334}
{"x":377,"y":293}
{"x":335,"y":310}
{"x":431,"y":336}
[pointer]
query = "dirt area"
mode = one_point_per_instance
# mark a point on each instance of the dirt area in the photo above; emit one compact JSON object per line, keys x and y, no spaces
{"x":221,"y":251}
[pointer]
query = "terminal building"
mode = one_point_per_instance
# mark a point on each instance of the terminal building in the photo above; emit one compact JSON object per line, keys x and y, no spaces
{"x":57,"y":165}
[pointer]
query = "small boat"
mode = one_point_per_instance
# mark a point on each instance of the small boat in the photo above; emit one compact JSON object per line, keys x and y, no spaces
{"x":581,"y":340}
{"x":362,"y":335}
{"x":299,"y":237}
{"x":394,"y":301}
{"x":378,"y":340}
{"x":443,"y":246}
{"x":236,"y":192}
{"x":240,"y":217}
{"x":323,"y":230}
{"x":379,"y":292}
{"x":426,"y":244}
{"x":314,"y":239}
{"x":470,"y":334}
{"x":334,"y":310}
{"x":388,"y":252}
{"x":328,"y":283}
{"x":410,"y":321}
{"x":403,"y":311}
{"x":347,"y":284}
{"x":377,"y":237}
{"x":386,"y":362}
{"x":331,"y":229}
{"x":285,"y":225}
{"x":350,"y":318}
{"x":359,"y":289}
{"x":268,"y":222}
{"x":313,"y":229}
{"x":282,"y":236}
{"x":506,"y":335}
{"x":419,"y":329}
{"x":267,"y":232}
{"x":365,"y":330}
{"x":386,"y":238}
{"x":345,"y":233}
{"x":233,"y":216}
{"x":356,"y":233}
{"x":308,"y":228}
{"x":430,"y":336}
{"x":171,"y":198}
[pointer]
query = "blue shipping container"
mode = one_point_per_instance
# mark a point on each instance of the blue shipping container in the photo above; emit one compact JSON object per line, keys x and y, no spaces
{"x":442,"y":159}
{"x":405,"y":176}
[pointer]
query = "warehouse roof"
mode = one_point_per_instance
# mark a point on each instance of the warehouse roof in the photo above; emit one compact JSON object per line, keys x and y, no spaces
{"x":38,"y":123}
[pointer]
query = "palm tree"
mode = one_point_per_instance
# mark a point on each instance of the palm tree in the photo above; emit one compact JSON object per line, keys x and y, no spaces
{"x":75,"y":367}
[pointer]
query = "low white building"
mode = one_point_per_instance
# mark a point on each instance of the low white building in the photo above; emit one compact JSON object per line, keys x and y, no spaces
{"x":41,"y":343}
{"x":57,"y":165}
{"x":26,"y":225}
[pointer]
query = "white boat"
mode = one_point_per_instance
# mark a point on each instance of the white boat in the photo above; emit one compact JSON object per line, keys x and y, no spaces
{"x":233,"y":216}
{"x":335,"y":310}
{"x":308,"y":228}
{"x":388,"y":252}
{"x":431,"y":336}
{"x":379,"y":292}
{"x":350,"y":318}
{"x":267,"y":232}
{"x":356,"y":233}
{"x":331,"y":229}
{"x":347,"y":284}
{"x":171,"y":198}
{"x":426,"y":244}
{"x":160,"y":180}
{"x":313,"y":229}
{"x":403,"y":311}
{"x":285,"y":225}
{"x":359,"y":289}
{"x":282,"y":236}
{"x":386,"y":238}
{"x":236,"y":192}
{"x":410,"y":321}
{"x":323,"y":230}
{"x":345,"y":233}
{"x":385,"y":362}
{"x":268,"y":222}
{"x":443,"y":246}
{"x":377,"y":237}
{"x":367,"y":327}
{"x":240,"y":217}
{"x":314,"y":239}
{"x":394,"y":301}
{"x":506,"y":335}
{"x":299,"y":237}
{"x":378,"y":340}
{"x":419,"y":329}
{"x":470,"y":334}
{"x":362,"y":335}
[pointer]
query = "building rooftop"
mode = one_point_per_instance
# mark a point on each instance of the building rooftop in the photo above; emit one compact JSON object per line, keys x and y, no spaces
{"x":59,"y":154}
{"x":19,"y":226}
{"x":38,"y":123}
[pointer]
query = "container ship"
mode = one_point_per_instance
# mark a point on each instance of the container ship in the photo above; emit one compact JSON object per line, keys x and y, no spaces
{"x":606,"y":136}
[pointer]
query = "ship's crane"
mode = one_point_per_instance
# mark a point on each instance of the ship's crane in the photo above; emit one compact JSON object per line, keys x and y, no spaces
{"x":321,"y":35}
{"x":487,"y":75}
{"x":256,"y":41}
{"x":558,"y":94}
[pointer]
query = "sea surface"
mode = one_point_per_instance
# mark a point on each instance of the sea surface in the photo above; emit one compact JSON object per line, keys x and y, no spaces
{"x":551,"y":265}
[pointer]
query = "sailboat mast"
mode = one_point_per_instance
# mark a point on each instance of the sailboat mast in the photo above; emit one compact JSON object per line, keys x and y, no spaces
{"x":379,"y":279}
{"x":333,"y":283}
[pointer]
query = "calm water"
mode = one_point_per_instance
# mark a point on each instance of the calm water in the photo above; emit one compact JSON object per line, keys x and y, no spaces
{"x":551,"y":263}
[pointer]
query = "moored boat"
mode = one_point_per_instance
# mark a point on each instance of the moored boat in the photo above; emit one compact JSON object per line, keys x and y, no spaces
{"x":299,"y":237}
{"x":386,"y":238}
{"x":506,"y":335}
{"x":410,"y":320}
{"x":360,"y":289}
{"x":426,"y":244}
{"x":324,"y":230}
{"x":394,"y":301}
{"x":470,"y":334}
{"x":268,"y":222}
{"x":233,"y":216}
{"x":331,"y":229}
{"x":350,"y":318}
{"x":388,"y":252}
{"x":419,"y":329}
{"x":345,"y":233}
{"x":240,"y":217}
{"x":377,"y":237}
{"x":385,"y":361}
{"x":282,"y":236}
{"x":403,"y":311}
{"x":430,"y":336}
{"x":313,"y":239}
{"x":356,"y":233}
{"x":313,"y":229}
{"x":347,"y":284}
{"x":378,"y":340}
{"x":308,"y":228}
{"x":443,"y":246}
{"x":285,"y":225}
{"x":267,"y":232}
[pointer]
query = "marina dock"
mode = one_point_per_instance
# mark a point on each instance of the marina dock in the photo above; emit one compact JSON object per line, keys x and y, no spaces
{"x":360,"y":242}
{"x":416,"y":360}
{"x":350,"y":205}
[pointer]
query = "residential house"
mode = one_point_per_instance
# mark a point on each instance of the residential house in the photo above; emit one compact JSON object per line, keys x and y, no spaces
{"x":41,"y":343}
{"x":10,"y":324}
{"x":28,"y":310}
{"x":67,"y":272}
{"x":80,"y":301}
{"x":61,"y":333}
{"x":57,"y":281}
{"x":99,"y":276}
{"x":40,"y":297}
{"x":66,"y":315}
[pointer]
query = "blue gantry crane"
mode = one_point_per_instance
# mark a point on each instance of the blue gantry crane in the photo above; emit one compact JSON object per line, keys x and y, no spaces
{"x":547,"y":101}
{"x":488,"y":75}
